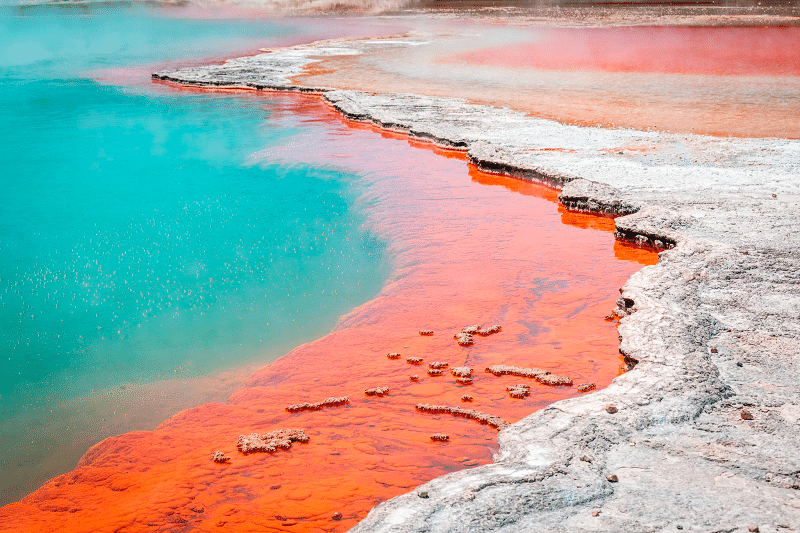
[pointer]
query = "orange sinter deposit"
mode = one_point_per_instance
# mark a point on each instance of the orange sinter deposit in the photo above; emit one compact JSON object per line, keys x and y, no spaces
{"x":717,"y":80}
{"x":467,"y":249}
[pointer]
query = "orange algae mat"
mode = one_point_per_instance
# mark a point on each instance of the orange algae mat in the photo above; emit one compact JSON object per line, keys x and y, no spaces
{"x":466,"y":248}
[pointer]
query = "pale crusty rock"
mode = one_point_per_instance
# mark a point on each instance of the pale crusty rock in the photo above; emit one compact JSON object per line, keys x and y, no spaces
{"x":316,"y":406}
{"x":414,"y":360}
{"x":493,"y":421}
{"x":435,"y":372}
{"x":438,"y":364}
{"x":377,"y":391}
{"x":554,"y":380}
{"x":725,"y":212}
{"x":220,"y":457}
{"x":271,"y":441}
{"x":426,"y":332}
{"x":461,"y":371}
{"x":519,"y":391}
{"x":491,"y":330}
{"x":440,"y":437}
{"x":464,"y":339}
{"x":502,"y":370}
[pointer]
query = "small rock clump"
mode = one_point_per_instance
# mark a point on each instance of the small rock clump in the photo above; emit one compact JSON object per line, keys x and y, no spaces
{"x":464,"y":381}
{"x":612,"y":478}
{"x":586,"y":387}
{"x":220,"y":457}
{"x":519,"y":391}
{"x":461,"y":371}
{"x":491,"y":420}
{"x":467,"y":398}
{"x":491,"y":330}
{"x":392,"y":355}
{"x":328,"y":402}
{"x":501,"y":370}
{"x":426,"y":332}
{"x":377,"y":391}
{"x":434,"y":372}
{"x":438,"y":364}
{"x":471,"y":330}
{"x":337,"y":516}
{"x":611,"y":408}
{"x":464,"y":339}
{"x":271,"y":442}
{"x":414,"y":377}
{"x":746,"y":414}
{"x":414,"y":360}
{"x":554,"y":380}
{"x":440,"y":437}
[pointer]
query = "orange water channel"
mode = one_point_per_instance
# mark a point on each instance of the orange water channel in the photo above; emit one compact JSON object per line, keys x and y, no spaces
{"x":466,"y":248}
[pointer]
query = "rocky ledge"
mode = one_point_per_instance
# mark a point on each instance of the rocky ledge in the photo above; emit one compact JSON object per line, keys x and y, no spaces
{"x":704,"y":430}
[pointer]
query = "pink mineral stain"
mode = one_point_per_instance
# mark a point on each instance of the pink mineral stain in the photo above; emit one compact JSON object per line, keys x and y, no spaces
{"x":466,"y":248}
{"x":732,"y":51}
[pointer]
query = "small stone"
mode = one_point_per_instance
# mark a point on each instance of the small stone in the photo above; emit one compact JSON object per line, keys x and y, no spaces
{"x":464,"y":339}
{"x":414,"y":360}
{"x":393,"y":355}
{"x":713,"y":349}
{"x":337,"y":516}
{"x":414,"y":377}
{"x":595,"y":513}
{"x":679,"y":526}
{"x":274,"y":487}
{"x":586,"y":459}
{"x":464,"y":381}
{"x":745,"y":252}
{"x":586,"y":387}
{"x":753,"y":529}
{"x":434,"y":372}
{"x":440,"y":437}
{"x":611,"y":408}
{"x":426,"y":332}
{"x":612,"y":478}
{"x":280,"y":518}
{"x":467,"y":398}
{"x":746,"y":415}
{"x":422,"y":494}
{"x":739,"y":363}
{"x":220,"y":457}
{"x":377,"y":391}
{"x":438,"y":364}
{"x":774,"y":195}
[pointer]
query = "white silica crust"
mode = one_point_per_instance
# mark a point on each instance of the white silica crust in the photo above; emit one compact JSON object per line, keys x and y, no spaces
{"x":727,"y":213}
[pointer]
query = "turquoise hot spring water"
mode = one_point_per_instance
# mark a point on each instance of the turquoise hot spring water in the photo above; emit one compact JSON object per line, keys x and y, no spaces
{"x":141,"y":251}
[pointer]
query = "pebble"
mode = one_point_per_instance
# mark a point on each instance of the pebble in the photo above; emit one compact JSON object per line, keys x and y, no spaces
{"x":586,"y":387}
{"x":440,"y":437}
{"x":586,"y":459}
{"x":414,"y":377}
{"x":746,"y":415}
{"x":612,"y":478}
{"x":595,"y":513}
{"x":337,"y":516}
{"x":467,"y":398}
{"x":422,"y":494}
{"x":611,"y":408}
{"x":753,"y":529}
{"x":713,"y":349}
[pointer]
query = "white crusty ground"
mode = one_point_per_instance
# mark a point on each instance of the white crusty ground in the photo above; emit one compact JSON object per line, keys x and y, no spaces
{"x":685,"y":458}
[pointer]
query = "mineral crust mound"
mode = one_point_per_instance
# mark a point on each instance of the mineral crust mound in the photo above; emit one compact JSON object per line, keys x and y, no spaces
{"x":271,"y":441}
{"x":491,"y":420}
{"x":377,"y":391}
{"x":328,"y":402}
{"x":502,"y":370}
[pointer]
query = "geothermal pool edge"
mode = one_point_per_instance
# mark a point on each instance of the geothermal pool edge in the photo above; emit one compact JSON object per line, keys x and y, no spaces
{"x":703,"y":430}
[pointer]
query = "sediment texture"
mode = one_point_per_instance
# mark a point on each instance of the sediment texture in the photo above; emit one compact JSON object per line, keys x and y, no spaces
{"x":726,"y":210}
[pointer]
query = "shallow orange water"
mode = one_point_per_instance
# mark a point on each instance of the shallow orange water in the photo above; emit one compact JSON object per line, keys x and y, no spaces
{"x":466,"y":248}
